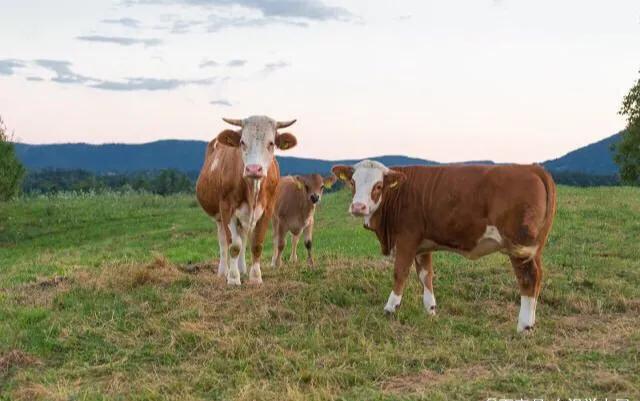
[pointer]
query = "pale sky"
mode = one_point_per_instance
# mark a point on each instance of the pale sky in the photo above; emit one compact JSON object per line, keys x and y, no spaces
{"x":505,"y":80}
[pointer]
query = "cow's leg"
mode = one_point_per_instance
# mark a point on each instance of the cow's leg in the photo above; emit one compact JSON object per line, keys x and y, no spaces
{"x":222,"y":264}
{"x":242,"y":265}
{"x":259,"y":232}
{"x":529,"y":274}
{"x":279,"y":237}
{"x":424,"y":268}
{"x":232,"y":242}
{"x":308,"y":238}
{"x":404,"y":257}
{"x":295,"y":237}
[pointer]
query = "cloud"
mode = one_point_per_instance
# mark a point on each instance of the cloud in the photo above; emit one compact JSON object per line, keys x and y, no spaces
{"x":208,"y":63}
{"x":236,"y":63}
{"x":221,"y":102}
{"x":8,"y":66}
{"x":273,"y":67}
{"x":149,"y":84}
{"x":303,"y":9}
{"x":123,"y":41}
{"x":64,"y":74}
{"x":126,"y":22}
{"x":217,"y":23}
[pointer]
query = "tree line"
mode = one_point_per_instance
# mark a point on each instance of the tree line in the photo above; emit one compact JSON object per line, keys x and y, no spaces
{"x":161,"y":182}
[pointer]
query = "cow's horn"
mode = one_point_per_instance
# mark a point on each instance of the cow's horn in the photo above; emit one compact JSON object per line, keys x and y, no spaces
{"x":285,"y":124}
{"x":233,"y":121}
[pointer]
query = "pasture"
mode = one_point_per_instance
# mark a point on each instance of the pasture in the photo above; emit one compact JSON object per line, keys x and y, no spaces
{"x":94,"y":306}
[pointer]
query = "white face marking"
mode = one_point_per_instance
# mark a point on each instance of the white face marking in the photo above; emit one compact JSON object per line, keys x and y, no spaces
{"x":366,"y":175}
{"x":258,"y":142}
{"x":527,"y":317}
{"x":393,"y":302}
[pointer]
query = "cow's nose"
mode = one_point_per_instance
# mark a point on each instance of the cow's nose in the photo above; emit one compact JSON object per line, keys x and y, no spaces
{"x":314,"y":198}
{"x":253,"y":171}
{"x":358,"y":209}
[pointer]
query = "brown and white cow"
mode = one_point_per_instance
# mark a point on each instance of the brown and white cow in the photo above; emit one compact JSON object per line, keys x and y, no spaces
{"x":470,"y":210}
{"x":237,"y":187}
{"x":296,"y":200}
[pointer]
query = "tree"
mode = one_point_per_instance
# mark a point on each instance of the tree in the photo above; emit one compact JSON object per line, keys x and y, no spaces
{"x":628,"y":149}
{"x":11,"y":170}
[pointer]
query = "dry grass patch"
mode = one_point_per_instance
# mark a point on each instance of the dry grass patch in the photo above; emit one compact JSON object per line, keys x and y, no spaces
{"x":418,"y":383}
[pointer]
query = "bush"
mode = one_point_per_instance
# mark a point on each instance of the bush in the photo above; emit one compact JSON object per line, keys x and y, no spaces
{"x":11,"y":170}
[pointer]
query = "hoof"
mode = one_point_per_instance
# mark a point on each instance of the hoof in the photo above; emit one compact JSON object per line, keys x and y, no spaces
{"x":525,"y":330}
{"x":391,"y":311}
{"x":255,"y":281}
{"x":233,"y":281}
{"x":431,"y":310}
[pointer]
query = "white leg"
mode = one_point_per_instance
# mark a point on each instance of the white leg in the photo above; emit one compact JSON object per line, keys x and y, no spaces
{"x":255,"y":274}
{"x":393,"y":302}
{"x":222,"y":265}
{"x":428,"y":299}
{"x":527,"y":317}
{"x":233,"y":274}
{"x":242,"y":266}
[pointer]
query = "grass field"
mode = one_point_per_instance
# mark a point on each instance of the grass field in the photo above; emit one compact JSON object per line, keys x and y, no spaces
{"x":93,"y":306}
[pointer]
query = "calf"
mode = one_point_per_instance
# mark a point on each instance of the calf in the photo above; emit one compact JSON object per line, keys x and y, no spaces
{"x":296,"y":199}
{"x":237,"y":186}
{"x":470,"y":210}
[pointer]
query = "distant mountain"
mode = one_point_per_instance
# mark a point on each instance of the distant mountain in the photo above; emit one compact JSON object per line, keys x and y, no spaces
{"x":595,"y":159}
{"x":187,"y":156}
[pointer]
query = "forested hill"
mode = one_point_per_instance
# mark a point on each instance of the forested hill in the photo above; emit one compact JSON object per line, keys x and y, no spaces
{"x":187,"y":156}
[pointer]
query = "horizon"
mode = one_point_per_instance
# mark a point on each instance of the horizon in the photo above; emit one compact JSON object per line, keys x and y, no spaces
{"x":491,"y":80}
{"x":285,"y":155}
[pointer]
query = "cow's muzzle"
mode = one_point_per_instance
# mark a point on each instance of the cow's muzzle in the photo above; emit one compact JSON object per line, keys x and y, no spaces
{"x":254,"y":171}
{"x":314,"y":198}
{"x":359,"y":209}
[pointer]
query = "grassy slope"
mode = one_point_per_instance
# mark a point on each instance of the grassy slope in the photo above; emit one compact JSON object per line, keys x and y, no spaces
{"x":125,"y":324}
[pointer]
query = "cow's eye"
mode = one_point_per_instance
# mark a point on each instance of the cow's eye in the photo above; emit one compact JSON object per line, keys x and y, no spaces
{"x":244,"y":145}
{"x":353,"y":183}
{"x":271,"y":145}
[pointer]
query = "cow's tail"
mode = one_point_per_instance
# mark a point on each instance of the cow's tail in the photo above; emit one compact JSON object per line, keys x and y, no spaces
{"x":550,"y":187}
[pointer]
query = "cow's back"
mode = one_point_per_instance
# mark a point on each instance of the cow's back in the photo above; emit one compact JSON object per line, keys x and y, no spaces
{"x":453,"y":205}
{"x":290,"y":201}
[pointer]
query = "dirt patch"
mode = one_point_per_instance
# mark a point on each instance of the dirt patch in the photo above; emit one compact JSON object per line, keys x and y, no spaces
{"x":418,"y":382}
{"x":16,"y":359}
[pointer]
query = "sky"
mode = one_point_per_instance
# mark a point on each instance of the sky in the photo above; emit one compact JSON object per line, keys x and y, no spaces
{"x":504,"y":80}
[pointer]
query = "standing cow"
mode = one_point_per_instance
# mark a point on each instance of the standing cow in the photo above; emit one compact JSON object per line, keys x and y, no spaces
{"x":296,"y":199}
{"x":470,"y":210}
{"x":237,"y":186}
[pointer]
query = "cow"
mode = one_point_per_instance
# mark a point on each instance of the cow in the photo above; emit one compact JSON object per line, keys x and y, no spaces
{"x":470,"y":210}
{"x":296,"y":200}
{"x":237,"y":186}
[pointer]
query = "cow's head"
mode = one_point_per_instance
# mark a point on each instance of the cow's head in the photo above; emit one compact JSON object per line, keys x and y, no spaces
{"x":369,"y":181}
{"x":257,"y":139}
{"x":313,"y":185}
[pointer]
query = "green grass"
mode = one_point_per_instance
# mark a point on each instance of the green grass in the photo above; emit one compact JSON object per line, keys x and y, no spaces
{"x":120,"y":321}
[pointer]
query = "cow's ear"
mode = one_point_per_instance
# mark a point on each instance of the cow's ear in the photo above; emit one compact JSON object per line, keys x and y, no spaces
{"x":299,"y":181}
{"x":393,"y":178}
{"x":329,"y":181}
{"x":230,"y":138}
{"x":344,"y":173}
{"x":285,"y":141}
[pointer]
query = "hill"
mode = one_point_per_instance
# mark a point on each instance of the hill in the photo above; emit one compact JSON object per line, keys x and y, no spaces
{"x":596,"y":159}
{"x":187,"y":156}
